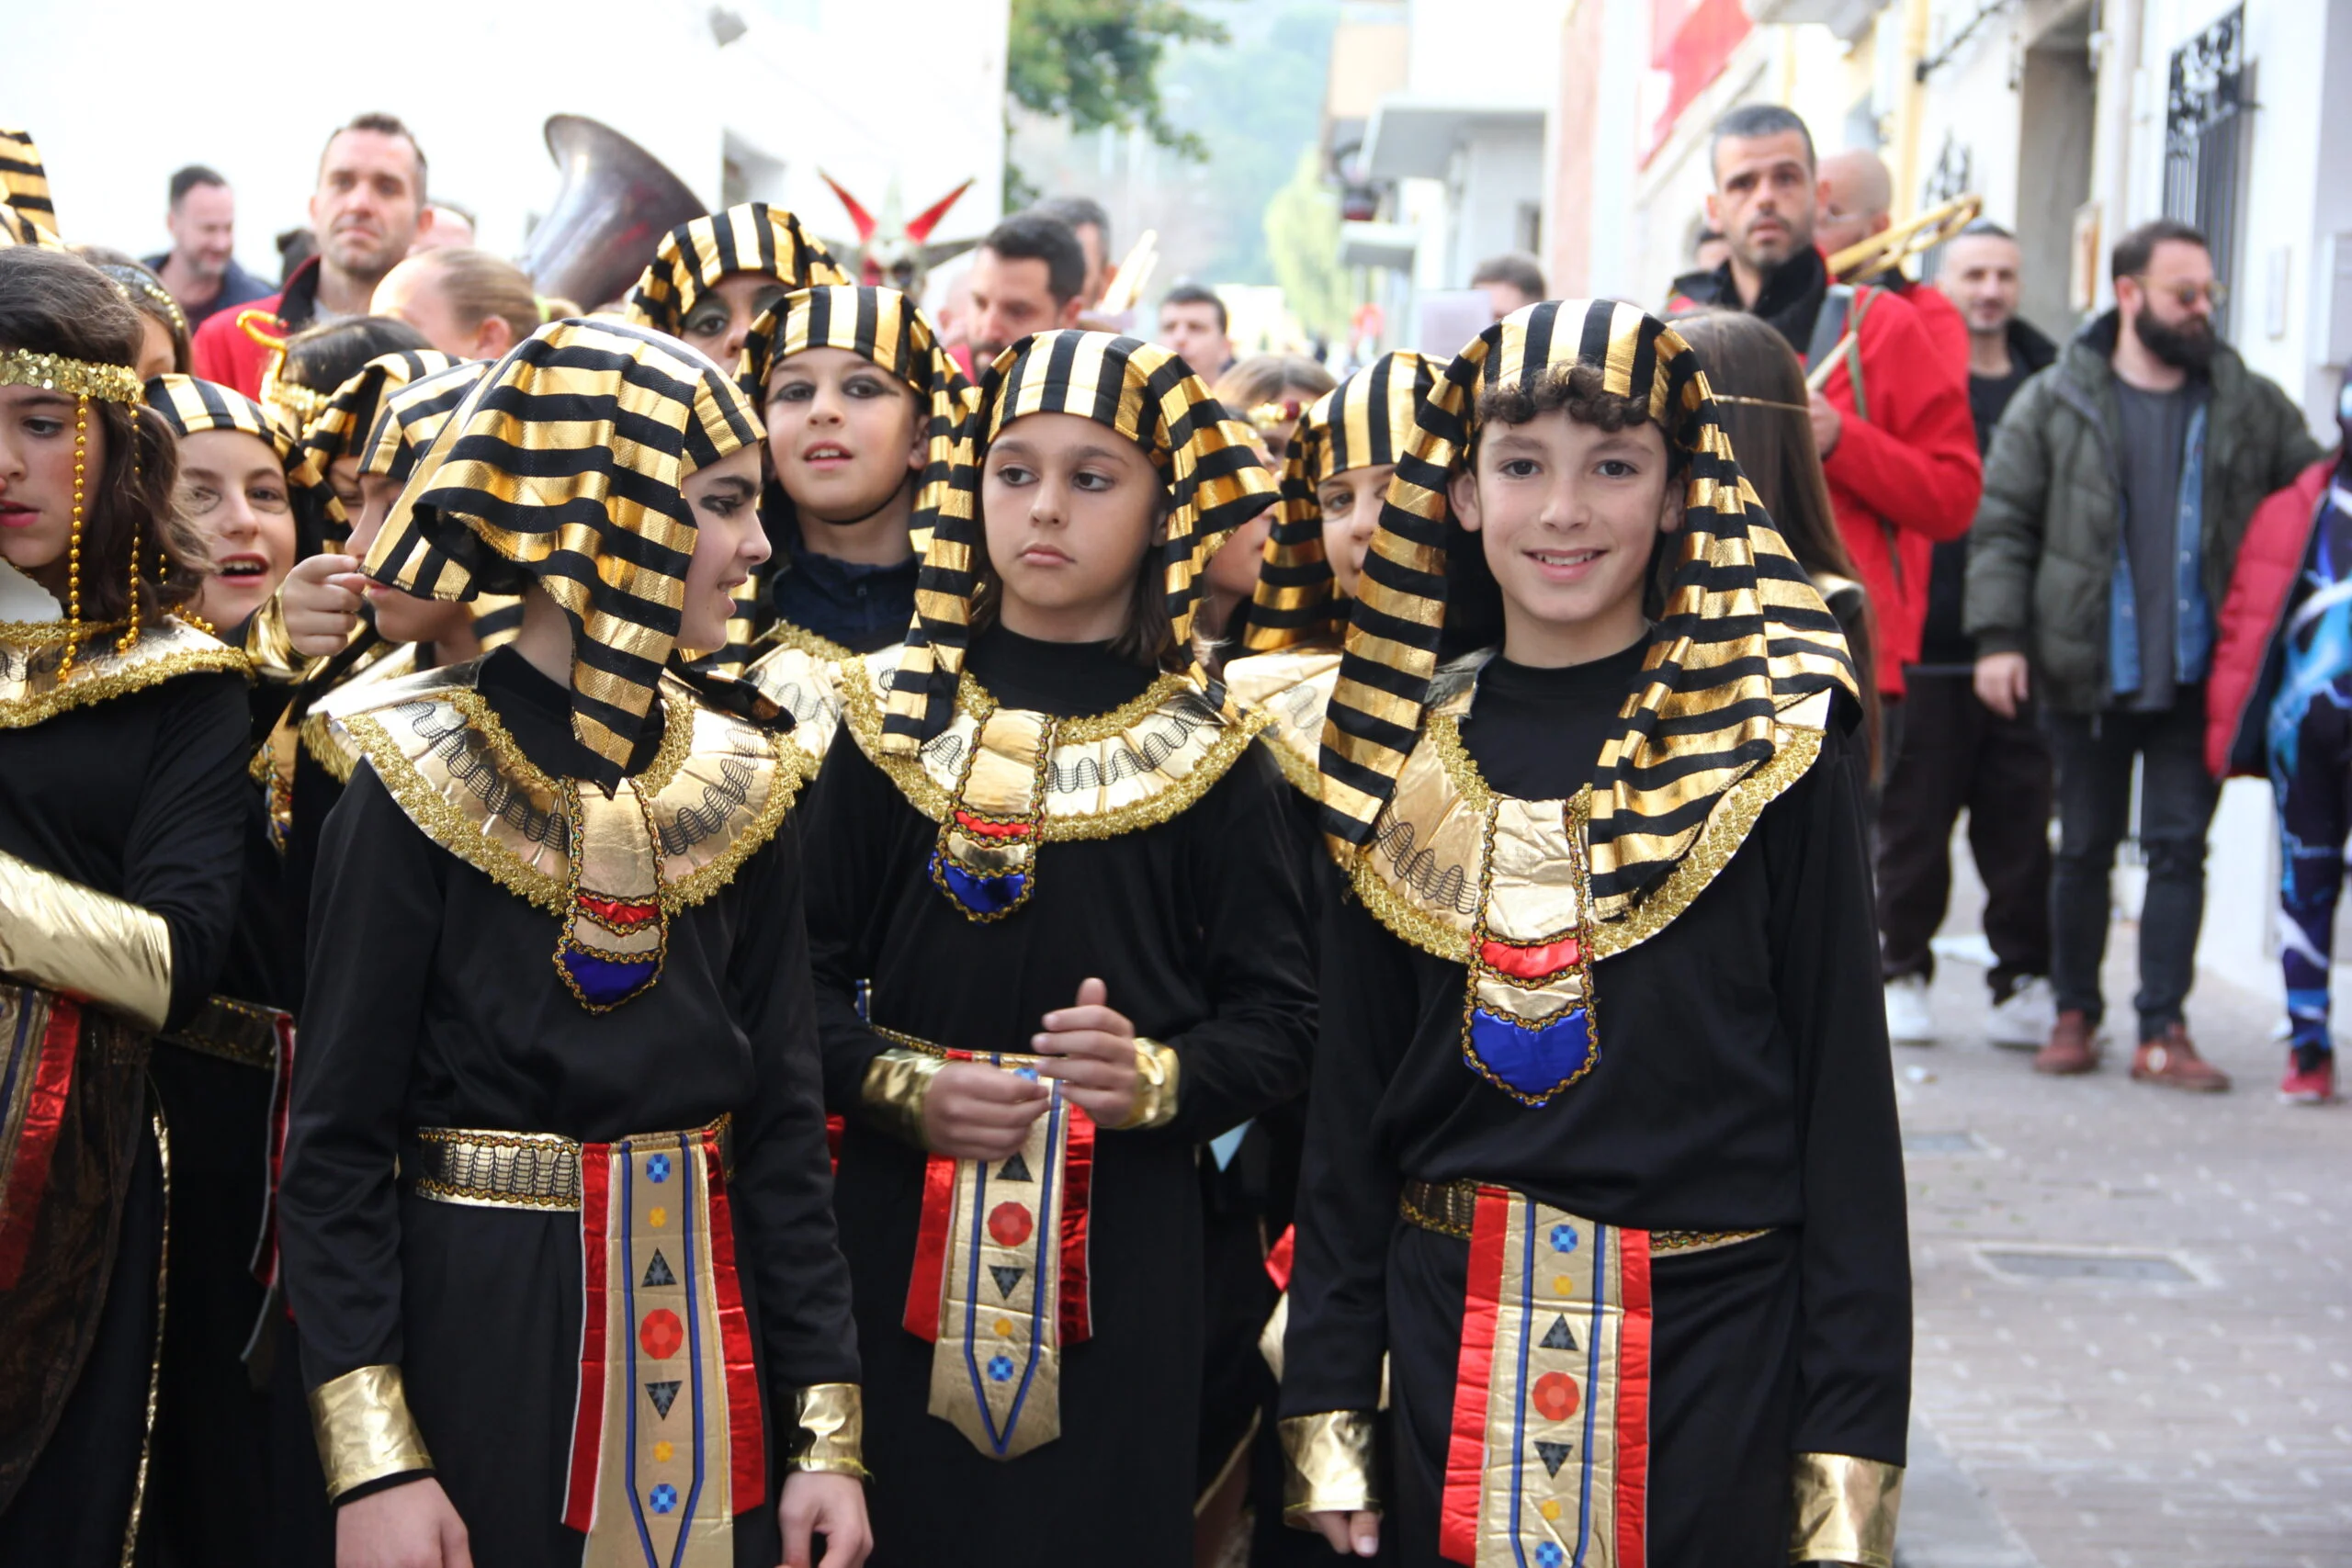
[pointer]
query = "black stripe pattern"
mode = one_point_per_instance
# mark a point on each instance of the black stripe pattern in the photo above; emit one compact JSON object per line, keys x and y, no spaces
{"x":563,"y":468}
{"x":24,"y":183}
{"x":1144,"y":392}
{"x":752,"y":237}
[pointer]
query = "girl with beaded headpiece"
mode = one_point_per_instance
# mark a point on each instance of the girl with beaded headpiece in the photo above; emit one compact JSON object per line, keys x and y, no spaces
{"x":711,"y":278}
{"x":1065,"y":871}
{"x":861,"y":407}
{"x":554,"y":912}
{"x":122,"y":749}
{"x":1602,"y":1025}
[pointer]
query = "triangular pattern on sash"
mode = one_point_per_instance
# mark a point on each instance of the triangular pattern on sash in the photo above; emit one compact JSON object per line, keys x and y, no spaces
{"x":1560,"y":1337}
{"x":1014,"y":1170}
{"x":657,"y":1273}
{"x":663,"y":1394}
{"x":1554,"y":1455}
{"x":1007,"y":1278}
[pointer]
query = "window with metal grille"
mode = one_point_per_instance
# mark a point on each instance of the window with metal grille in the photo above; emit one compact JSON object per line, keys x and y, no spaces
{"x":2206,"y":113}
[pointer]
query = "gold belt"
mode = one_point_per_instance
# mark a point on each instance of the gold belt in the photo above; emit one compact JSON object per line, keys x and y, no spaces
{"x":242,"y":1032}
{"x":1451,"y":1208}
{"x":511,"y":1170}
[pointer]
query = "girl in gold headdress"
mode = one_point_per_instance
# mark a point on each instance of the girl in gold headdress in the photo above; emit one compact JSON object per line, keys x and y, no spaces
{"x":710,"y":279}
{"x":1067,"y":874}
{"x":557,"y":910}
{"x":1602,"y":1026}
{"x":122,"y":749}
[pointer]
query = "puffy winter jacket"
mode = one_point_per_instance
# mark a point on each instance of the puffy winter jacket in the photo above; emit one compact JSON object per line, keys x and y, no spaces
{"x":2042,"y":553}
{"x":2247,"y":647}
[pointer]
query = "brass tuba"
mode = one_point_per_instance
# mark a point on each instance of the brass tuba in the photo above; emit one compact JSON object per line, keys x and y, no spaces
{"x":1890,"y":248}
{"x":614,"y":205}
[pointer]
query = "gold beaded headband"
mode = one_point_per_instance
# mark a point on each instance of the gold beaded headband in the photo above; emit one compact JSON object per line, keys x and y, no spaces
{"x":81,"y":377}
{"x":130,"y":277}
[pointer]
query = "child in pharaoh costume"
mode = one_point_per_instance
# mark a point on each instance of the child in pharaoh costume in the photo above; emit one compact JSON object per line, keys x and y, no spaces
{"x":1602,"y":1026}
{"x":861,"y":407}
{"x":558,"y":974}
{"x":1069,"y":874}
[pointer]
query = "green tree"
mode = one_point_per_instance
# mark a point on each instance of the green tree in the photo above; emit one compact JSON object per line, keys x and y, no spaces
{"x":1096,"y":62}
{"x":1302,"y":226}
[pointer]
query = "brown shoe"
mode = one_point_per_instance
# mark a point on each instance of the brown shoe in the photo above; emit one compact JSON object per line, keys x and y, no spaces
{"x":2072,"y":1048}
{"x":2171,"y":1060}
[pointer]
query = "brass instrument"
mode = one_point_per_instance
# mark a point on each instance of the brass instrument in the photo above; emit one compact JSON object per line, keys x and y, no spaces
{"x":1135,"y":271}
{"x":1890,"y":248}
{"x":615,"y":202}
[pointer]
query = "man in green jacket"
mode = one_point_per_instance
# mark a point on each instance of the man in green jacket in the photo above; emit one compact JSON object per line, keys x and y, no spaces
{"x":2120,"y":483}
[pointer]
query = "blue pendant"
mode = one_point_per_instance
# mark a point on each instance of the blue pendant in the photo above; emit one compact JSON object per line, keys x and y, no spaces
{"x":980,"y":895}
{"x":1533,"y":1061}
{"x":608,"y":982}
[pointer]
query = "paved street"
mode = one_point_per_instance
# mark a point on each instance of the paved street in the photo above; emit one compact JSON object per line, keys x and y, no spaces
{"x":2135,"y":1315}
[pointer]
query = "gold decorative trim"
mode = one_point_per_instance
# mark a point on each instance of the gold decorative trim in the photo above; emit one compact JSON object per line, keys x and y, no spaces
{"x":80,"y":378}
{"x":28,"y":691}
{"x":1159,"y":1074}
{"x":1328,"y":1464}
{"x":1178,"y":695}
{"x":363,"y":1429}
{"x":1451,"y":1208}
{"x":488,"y":1169}
{"x":57,"y":934}
{"x":163,"y":1130}
{"x":785,"y":633}
{"x":896,"y":1082}
{"x":830,"y":1418}
{"x":236,"y":1032}
{"x":270,"y":647}
{"x":1845,"y":1510}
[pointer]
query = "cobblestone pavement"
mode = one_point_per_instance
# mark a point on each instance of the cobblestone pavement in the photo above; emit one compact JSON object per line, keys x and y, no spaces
{"x":2134,"y":1316}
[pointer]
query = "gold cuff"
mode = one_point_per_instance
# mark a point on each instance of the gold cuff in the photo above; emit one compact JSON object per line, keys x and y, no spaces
{"x":1328,"y":1464}
{"x":270,"y":647}
{"x":1846,"y":1510}
{"x":1157,"y":1069}
{"x":363,"y":1429}
{"x":895,"y":1083}
{"x":832,"y":1437}
{"x":63,"y":937}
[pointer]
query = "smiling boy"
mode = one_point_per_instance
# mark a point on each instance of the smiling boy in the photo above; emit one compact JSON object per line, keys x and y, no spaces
{"x":1601,"y":1026}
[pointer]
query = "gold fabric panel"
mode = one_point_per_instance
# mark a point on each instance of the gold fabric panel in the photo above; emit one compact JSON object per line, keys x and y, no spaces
{"x":1159,"y":1072}
{"x":363,"y":1429}
{"x":832,"y":1437}
{"x":1845,"y":1510}
{"x":57,"y":934}
{"x":1328,"y":1465}
{"x":895,"y":1083}
{"x":1293,"y":688}
{"x":802,"y":675}
{"x":328,"y":743}
{"x":30,"y":653}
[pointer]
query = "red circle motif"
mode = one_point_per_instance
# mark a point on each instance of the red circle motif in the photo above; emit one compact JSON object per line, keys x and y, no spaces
{"x":1555,"y":1396}
{"x":1009,"y":1224}
{"x":661,"y":1334}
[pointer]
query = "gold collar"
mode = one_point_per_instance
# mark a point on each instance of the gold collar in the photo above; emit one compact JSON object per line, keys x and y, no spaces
{"x":715,"y":792}
{"x":1422,"y":872}
{"x":30,"y":652}
{"x":1294,"y":688}
{"x":329,"y":745}
{"x":1142,"y":763}
{"x":801,"y":673}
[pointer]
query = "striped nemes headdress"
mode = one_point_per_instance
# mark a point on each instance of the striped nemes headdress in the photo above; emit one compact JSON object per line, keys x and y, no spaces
{"x":410,"y":416}
{"x":342,"y":428}
{"x":1742,"y":636}
{"x":693,"y":258}
{"x":1144,"y":392}
{"x":564,"y":468}
{"x":879,"y":324}
{"x":1363,"y":422}
{"x":24,"y":188}
{"x":191,"y":407}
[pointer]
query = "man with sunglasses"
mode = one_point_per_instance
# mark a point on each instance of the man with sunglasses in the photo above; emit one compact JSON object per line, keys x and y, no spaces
{"x":2117,"y":489}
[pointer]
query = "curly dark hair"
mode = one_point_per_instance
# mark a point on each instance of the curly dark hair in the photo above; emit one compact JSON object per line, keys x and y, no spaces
{"x":1574,"y":389}
{"x":54,"y":302}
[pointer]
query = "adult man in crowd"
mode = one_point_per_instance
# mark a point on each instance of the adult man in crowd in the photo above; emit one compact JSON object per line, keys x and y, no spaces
{"x":1194,"y":323}
{"x":365,"y":212}
{"x":1891,"y":420}
{"x":1858,"y":201}
{"x":1091,"y":224}
{"x":447,"y":226}
{"x":1511,"y":280}
{"x":1956,"y":751}
{"x":200,"y":270}
{"x":1027,"y":277}
{"x":2119,"y":487}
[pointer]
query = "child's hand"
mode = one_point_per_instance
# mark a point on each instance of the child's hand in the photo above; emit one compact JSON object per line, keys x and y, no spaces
{"x":1350,"y":1535}
{"x":973,"y":1110}
{"x":408,"y":1526}
{"x":825,"y":1504}
{"x":1098,"y":1051}
{"x":321,"y":601}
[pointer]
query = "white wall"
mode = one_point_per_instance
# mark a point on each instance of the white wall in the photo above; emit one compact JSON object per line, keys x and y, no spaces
{"x":119,"y":95}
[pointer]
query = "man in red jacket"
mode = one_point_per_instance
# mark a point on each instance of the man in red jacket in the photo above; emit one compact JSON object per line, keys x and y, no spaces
{"x":369,"y":199}
{"x":1892,"y":419}
{"x":1858,"y":201}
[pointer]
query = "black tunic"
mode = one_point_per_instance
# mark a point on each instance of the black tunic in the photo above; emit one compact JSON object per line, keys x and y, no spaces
{"x":139,"y":796}
{"x":1743,"y":1083}
{"x":1193,"y":925}
{"x":434,"y":1002}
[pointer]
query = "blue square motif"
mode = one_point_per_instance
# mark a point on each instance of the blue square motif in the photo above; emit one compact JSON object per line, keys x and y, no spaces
{"x":656,"y":1168}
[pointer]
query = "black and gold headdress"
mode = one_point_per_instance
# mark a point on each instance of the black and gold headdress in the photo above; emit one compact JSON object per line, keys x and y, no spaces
{"x":342,"y":428}
{"x":410,"y":416}
{"x":1144,"y":392}
{"x":1743,"y":635}
{"x":751,"y":237}
{"x":1363,"y":422}
{"x":563,"y":468}
{"x":191,"y":407}
{"x":24,"y":187}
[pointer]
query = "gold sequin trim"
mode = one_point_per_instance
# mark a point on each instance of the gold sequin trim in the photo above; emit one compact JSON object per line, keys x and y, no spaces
{"x":807,"y":642}
{"x":81,"y":378}
{"x":99,"y":672}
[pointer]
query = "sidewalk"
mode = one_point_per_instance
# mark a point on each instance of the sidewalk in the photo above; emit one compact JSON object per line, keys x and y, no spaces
{"x":2134,"y":1317}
